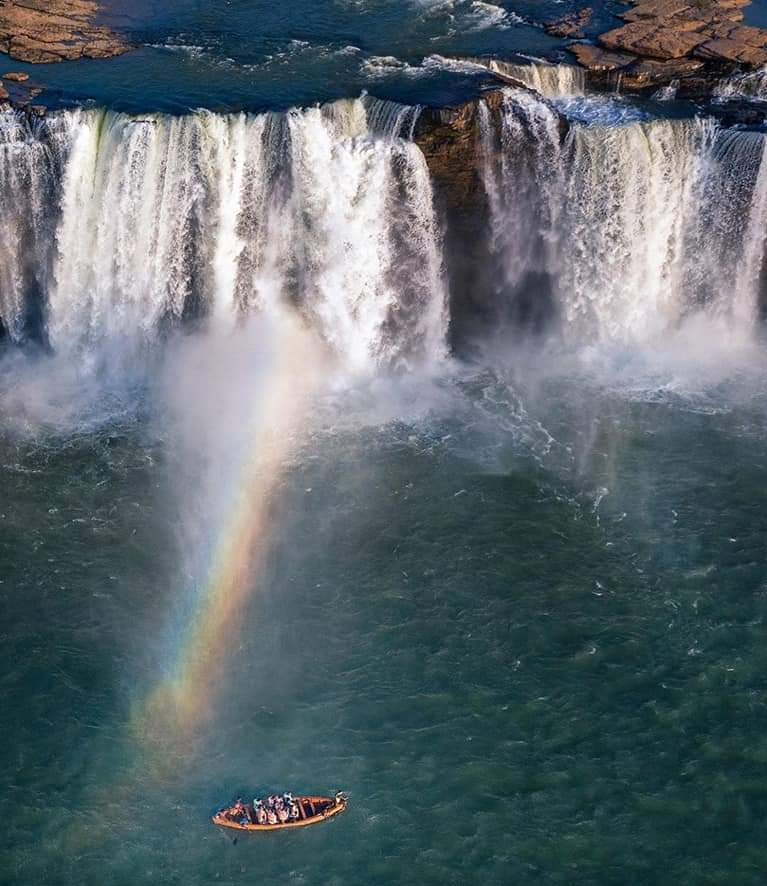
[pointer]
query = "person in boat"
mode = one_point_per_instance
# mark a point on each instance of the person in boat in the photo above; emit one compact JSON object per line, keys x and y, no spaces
{"x":271,"y":813}
{"x":238,"y":812}
{"x":260,"y":812}
{"x":291,"y":806}
{"x":282,"y":810}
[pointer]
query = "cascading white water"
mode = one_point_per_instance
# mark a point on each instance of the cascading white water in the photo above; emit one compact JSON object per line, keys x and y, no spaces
{"x":29,"y":171}
{"x":748,"y":84}
{"x":654,"y":219}
{"x":326,"y":209}
{"x":114,"y":227}
{"x":530,"y":181}
{"x":548,"y":80}
{"x":630,"y":195}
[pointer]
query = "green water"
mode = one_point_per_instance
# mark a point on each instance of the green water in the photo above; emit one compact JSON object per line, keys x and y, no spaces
{"x":517,"y":615}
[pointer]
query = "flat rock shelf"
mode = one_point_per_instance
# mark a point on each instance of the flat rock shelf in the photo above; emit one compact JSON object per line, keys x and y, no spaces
{"x":44,"y":31}
{"x":666,"y":40}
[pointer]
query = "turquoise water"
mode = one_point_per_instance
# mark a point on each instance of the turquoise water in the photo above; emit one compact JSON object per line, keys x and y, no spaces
{"x":516,"y":613}
{"x":515,"y":607}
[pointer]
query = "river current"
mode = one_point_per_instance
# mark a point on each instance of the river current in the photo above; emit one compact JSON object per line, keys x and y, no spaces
{"x":275,"y":515}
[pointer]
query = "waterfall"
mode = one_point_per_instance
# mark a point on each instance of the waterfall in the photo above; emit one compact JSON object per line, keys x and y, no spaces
{"x":29,"y":172}
{"x":747,"y":84}
{"x":550,"y":81}
{"x":637,"y":225}
{"x":326,"y":209}
{"x":115,"y":229}
{"x":630,"y":194}
{"x":521,"y":171}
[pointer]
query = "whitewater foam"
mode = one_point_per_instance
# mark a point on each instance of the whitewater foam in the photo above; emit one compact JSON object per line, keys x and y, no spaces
{"x":162,"y":218}
{"x":636,"y":226}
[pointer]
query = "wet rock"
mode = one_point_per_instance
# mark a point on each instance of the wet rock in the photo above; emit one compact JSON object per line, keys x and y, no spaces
{"x":732,"y":50}
{"x":571,"y":25}
{"x":451,"y":141}
{"x":3,"y":93}
{"x":448,"y":138}
{"x":655,"y":72}
{"x":16,"y":77}
{"x":38,"y":110}
{"x":42,"y":31}
{"x":599,"y":60}
{"x":740,"y":112}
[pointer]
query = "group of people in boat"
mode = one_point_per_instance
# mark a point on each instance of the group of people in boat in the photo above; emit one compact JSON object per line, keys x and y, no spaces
{"x":274,"y":809}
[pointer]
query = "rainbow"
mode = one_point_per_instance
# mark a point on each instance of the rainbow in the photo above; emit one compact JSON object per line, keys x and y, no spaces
{"x":184,"y":697}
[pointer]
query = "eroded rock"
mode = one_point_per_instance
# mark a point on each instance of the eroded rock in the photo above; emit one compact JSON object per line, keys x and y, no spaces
{"x":654,"y":72}
{"x":596,"y":59}
{"x":571,"y":25}
{"x":43,"y":31}
{"x":16,"y":77}
{"x":649,"y":39}
{"x":690,"y":41}
{"x":733,"y":51}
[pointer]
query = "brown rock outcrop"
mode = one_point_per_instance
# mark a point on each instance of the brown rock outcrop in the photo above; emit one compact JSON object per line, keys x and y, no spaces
{"x":570,"y":25}
{"x":732,"y":51}
{"x":40,"y":31}
{"x":448,"y":139}
{"x":597,"y":59}
{"x":16,"y":77}
{"x":652,"y":71}
{"x":649,"y":39}
{"x":665,"y":40}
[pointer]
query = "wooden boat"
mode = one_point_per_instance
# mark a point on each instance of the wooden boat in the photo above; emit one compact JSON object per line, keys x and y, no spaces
{"x":312,"y":810}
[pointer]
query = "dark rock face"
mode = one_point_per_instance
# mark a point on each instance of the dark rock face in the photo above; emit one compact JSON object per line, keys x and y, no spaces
{"x":451,"y":141}
{"x":41,"y":31}
{"x":448,"y":138}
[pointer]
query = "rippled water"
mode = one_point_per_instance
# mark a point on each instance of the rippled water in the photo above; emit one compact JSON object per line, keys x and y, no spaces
{"x":232,"y":54}
{"x":516,"y":613}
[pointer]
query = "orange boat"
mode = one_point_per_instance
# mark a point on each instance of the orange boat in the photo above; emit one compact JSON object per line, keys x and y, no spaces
{"x":312,"y":810}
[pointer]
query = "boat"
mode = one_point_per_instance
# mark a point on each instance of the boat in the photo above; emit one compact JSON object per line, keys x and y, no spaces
{"x":312,"y":810}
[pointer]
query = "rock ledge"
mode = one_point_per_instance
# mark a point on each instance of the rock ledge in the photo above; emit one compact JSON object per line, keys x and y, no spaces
{"x":667,"y":40}
{"x":43,"y":31}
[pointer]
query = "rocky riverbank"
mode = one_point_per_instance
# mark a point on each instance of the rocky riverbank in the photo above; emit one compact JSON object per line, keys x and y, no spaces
{"x":44,"y":31}
{"x":694,"y":42}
